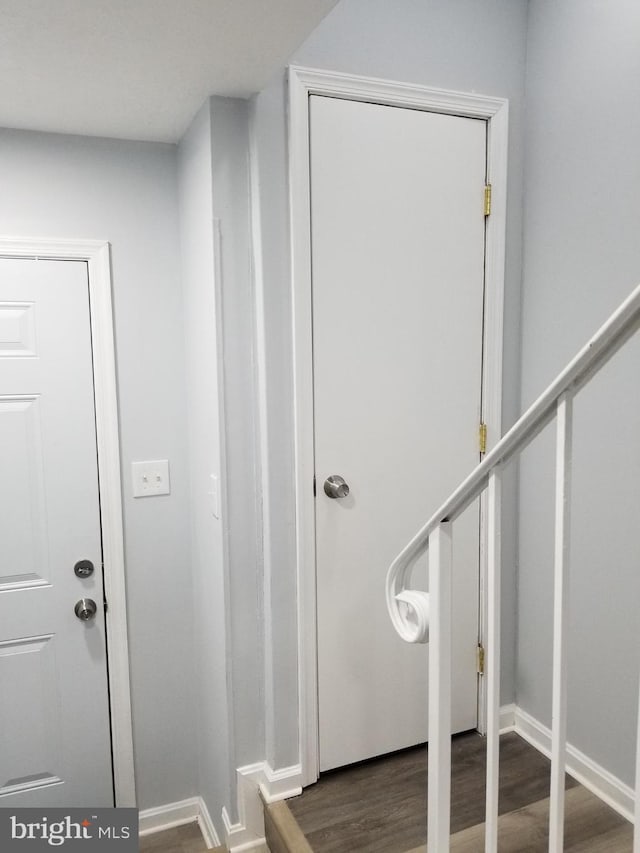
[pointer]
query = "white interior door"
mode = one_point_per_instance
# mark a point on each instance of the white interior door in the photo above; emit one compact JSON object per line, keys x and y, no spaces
{"x":54,"y":716}
{"x":398,"y":272}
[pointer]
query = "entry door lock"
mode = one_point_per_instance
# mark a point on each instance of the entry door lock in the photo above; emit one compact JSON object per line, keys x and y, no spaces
{"x":83,"y":568}
{"x":85,"y":609}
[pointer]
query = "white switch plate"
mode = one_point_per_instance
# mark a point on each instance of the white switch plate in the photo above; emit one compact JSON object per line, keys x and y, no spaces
{"x":150,"y":478}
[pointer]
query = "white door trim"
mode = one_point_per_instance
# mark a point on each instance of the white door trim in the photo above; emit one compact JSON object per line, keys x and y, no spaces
{"x":96,"y":254}
{"x":304,"y":82}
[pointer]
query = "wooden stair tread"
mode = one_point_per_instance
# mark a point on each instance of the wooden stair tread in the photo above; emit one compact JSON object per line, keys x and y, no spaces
{"x":590,"y":827}
{"x":283,"y":835}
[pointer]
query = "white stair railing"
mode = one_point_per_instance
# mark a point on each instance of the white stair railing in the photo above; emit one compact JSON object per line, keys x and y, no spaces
{"x":421,"y":617}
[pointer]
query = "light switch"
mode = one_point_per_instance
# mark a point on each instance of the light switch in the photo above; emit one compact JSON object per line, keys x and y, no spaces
{"x":150,"y":478}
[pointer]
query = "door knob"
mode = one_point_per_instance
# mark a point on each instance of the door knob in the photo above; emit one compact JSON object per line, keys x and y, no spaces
{"x":85,"y":609}
{"x":335,"y":487}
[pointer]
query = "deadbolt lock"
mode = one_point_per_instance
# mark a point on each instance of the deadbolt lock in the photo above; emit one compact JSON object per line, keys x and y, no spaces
{"x":83,"y":568}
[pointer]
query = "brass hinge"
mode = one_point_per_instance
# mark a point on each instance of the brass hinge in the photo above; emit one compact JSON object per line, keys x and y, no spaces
{"x":487,"y":200}
{"x":480,"y":660}
{"x":482,"y":437}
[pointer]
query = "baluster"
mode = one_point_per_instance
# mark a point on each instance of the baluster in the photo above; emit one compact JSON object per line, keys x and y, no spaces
{"x":560,"y":619}
{"x":636,"y":829}
{"x":492,"y":657}
{"x":439,"y":798}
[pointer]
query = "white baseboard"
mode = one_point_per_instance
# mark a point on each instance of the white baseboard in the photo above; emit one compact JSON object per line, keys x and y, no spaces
{"x":248,"y":832}
{"x":168,"y":816}
{"x":207,"y":828}
{"x":178,"y":814}
{"x":584,"y":770}
{"x":281,"y":784}
{"x":252,"y":781}
{"x":238,"y":837}
{"x":507,"y":718}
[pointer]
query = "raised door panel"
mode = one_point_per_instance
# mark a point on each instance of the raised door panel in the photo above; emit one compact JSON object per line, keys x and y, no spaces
{"x":23,"y":515}
{"x":30,"y":735}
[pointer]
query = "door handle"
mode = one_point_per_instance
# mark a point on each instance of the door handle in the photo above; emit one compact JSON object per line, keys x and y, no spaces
{"x":85,"y":609}
{"x":336,"y":487}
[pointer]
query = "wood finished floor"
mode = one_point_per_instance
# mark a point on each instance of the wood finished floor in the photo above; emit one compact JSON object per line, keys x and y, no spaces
{"x":590,"y":827}
{"x":180,"y":839}
{"x":379,"y":806}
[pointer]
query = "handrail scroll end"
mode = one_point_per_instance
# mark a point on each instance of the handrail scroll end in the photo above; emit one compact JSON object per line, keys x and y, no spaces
{"x":409,"y":612}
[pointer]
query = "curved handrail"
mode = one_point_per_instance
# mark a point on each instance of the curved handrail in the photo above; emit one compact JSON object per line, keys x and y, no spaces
{"x":409,"y":609}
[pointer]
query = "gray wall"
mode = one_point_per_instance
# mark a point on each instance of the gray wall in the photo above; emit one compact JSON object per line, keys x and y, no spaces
{"x":230,"y":182}
{"x":206,"y":452}
{"x":582,"y":257}
{"x":269,"y":190}
{"x":465,"y":45}
{"x":213,"y":173}
{"x":582,"y":209}
{"x":75,"y":187}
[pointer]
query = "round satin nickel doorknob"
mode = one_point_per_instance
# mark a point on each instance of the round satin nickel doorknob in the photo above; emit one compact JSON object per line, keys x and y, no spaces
{"x":85,"y":609}
{"x":335,"y":487}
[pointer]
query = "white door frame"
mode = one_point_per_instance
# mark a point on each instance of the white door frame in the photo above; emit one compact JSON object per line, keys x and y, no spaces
{"x":96,"y":255}
{"x":304,"y":82}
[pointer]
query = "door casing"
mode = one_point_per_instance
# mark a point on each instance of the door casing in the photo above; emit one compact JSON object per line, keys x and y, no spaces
{"x":96,"y":255}
{"x":304,"y":82}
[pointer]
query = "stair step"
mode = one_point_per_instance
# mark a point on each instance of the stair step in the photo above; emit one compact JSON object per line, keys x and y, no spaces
{"x":283,"y":835}
{"x":590,"y":827}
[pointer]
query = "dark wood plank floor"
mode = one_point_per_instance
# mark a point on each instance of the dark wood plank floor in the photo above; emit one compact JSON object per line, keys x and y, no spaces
{"x":379,"y":806}
{"x":590,"y":827}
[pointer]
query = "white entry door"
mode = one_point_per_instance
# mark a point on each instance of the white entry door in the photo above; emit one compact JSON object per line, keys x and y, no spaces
{"x":398,"y":275}
{"x":54,"y":714}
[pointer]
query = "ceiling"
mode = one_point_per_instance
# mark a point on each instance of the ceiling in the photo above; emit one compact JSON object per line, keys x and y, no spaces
{"x":139,"y":69}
